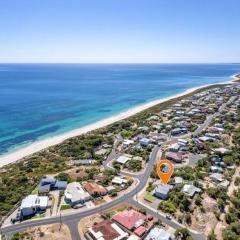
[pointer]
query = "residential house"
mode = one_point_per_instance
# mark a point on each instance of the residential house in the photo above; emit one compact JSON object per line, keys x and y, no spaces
{"x":190,"y":189}
{"x":123,"y":159}
{"x":157,"y":233}
{"x":127,"y":143}
{"x":48,"y":181}
{"x":106,"y":230}
{"x":33,"y":204}
{"x":83,"y":162}
{"x":119,"y":181}
{"x":140,"y":231}
{"x":60,"y":185}
{"x":183,"y":142}
{"x":205,"y":139}
{"x":43,"y":189}
{"x":174,"y":156}
{"x":176,"y":131}
{"x":47,"y":184}
{"x":75,"y":194}
{"x":216,"y":169}
{"x":144,"y":142}
{"x":178,"y":180}
{"x":217,"y":177}
{"x":110,"y":189}
{"x":174,"y":147}
{"x":221,"y":150}
{"x":95,"y":189}
{"x":130,"y":219}
{"x":162,"y":191}
{"x":224,"y":184}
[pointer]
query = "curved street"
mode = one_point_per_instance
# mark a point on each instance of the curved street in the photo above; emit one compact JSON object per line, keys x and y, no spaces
{"x":72,"y":219}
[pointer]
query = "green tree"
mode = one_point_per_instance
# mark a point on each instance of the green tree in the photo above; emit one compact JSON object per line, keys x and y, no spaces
{"x":63,"y":177}
{"x":188,"y":218}
{"x":182,"y":234}
{"x":212,"y":236}
{"x":232,"y":232}
{"x":198,"y":200}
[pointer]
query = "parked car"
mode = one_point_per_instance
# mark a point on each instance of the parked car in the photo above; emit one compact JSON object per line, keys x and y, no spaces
{"x":168,"y":216}
{"x":78,"y":206}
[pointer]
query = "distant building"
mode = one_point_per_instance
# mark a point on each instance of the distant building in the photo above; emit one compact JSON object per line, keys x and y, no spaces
{"x":205,"y":139}
{"x":183,"y":142}
{"x":216,"y":169}
{"x":83,"y":162}
{"x":144,"y":129}
{"x":119,"y":181}
{"x":123,"y":159}
{"x":101,"y":151}
{"x":178,"y":180}
{"x":153,"y":118}
{"x":144,"y":141}
{"x":174,"y":147}
{"x":157,"y":233}
{"x":162,"y":191}
{"x":224,"y":184}
{"x":75,"y":194}
{"x":221,"y":150}
{"x":217,"y":177}
{"x":176,"y":131}
{"x":213,"y":136}
{"x":127,"y":143}
{"x":215,"y":130}
{"x":32,"y":204}
{"x":137,"y":158}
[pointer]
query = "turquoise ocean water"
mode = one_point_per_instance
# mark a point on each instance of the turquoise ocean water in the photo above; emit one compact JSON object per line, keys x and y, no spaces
{"x":42,"y":100}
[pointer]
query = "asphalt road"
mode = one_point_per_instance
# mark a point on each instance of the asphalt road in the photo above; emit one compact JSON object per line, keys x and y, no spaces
{"x":72,"y":219}
{"x":161,"y":216}
{"x":210,"y":118}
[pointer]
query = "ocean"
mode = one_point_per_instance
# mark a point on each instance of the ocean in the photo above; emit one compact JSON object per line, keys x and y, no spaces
{"x":38,"y":101}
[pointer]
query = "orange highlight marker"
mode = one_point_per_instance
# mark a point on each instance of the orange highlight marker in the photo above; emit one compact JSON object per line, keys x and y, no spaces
{"x":165,"y":177}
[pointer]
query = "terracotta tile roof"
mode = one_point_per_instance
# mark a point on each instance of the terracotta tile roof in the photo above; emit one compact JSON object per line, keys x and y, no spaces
{"x":94,"y":188}
{"x":129,"y":219}
{"x":109,"y":233}
{"x":140,"y":231}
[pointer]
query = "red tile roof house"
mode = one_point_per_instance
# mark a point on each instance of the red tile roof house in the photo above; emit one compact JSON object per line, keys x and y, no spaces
{"x":131,"y":220}
{"x":107,"y":230}
{"x":95,"y":189}
{"x":140,"y":231}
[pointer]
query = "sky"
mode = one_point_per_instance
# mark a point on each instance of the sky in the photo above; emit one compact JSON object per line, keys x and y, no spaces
{"x":119,"y":31}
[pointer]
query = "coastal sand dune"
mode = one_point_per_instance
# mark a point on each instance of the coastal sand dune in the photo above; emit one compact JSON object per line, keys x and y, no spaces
{"x":40,"y":145}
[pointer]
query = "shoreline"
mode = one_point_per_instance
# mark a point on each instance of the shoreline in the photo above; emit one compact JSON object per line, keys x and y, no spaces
{"x":10,"y":158}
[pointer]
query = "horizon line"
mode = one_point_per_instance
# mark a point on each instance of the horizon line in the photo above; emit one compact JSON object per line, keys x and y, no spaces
{"x":119,"y":62}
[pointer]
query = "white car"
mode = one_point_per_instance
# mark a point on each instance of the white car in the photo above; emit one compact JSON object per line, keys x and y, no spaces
{"x":168,"y":216}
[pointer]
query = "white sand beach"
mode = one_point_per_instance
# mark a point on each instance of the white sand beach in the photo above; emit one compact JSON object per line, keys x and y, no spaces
{"x":40,"y":145}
